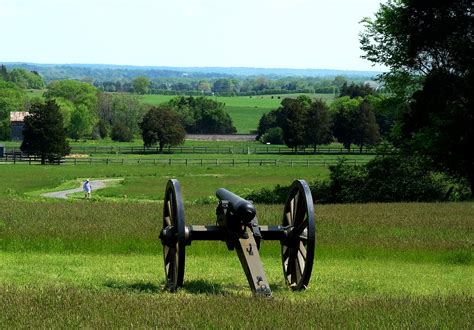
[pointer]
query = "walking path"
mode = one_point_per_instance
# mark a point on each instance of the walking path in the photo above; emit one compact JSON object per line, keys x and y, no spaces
{"x":95,"y":184}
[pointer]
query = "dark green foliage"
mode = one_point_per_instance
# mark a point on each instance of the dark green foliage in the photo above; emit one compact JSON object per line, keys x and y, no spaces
{"x":440,"y":124}
{"x":162,"y":125}
{"x":354,"y":91}
{"x":121,"y":133}
{"x":44,"y":134}
{"x":428,"y":47}
{"x":302,"y":120}
{"x":4,"y":75}
{"x":318,"y":124}
{"x":294,"y":112}
{"x":384,"y":179}
{"x":267,"y":121}
{"x":273,"y":135}
{"x":354,"y":122}
{"x":201,"y":115}
{"x":277,"y":195}
{"x":366,"y":129}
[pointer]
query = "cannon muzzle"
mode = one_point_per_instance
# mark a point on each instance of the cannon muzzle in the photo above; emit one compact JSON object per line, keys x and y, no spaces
{"x":241,"y":208}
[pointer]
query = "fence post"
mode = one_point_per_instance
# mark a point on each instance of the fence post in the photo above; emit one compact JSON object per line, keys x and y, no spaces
{"x":169,"y":161}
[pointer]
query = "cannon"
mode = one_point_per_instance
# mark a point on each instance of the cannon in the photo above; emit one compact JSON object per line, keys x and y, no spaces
{"x":238,"y":227}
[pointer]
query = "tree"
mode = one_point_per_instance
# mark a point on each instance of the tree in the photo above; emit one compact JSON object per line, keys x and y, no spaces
{"x":366,"y":130}
{"x":429,"y":50}
{"x":354,"y":122}
{"x":294,"y":112}
{"x":161,"y":125}
{"x":353,"y":90}
{"x":44,"y":134}
{"x":343,"y":114}
{"x":81,"y":123}
{"x":318,"y":124}
{"x":26,"y":79}
{"x":79,"y":93}
{"x":121,"y":133}
{"x":12,"y":98}
{"x":203,"y":115}
{"x":141,"y":85}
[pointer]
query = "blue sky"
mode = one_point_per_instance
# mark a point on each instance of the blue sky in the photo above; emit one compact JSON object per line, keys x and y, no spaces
{"x":250,"y":33}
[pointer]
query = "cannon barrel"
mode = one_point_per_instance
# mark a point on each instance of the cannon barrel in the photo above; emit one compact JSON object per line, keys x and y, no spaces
{"x":241,"y":208}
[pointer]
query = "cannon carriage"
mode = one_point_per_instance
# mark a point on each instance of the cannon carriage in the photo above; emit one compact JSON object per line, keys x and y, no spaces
{"x":238,"y":227}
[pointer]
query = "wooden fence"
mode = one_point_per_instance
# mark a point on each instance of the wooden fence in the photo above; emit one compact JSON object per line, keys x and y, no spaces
{"x":183,"y":161}
{"x":212,"y":150}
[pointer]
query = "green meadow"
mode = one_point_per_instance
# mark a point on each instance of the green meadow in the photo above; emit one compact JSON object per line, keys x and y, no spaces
{"x":99,"y":263}
{"x":245,"y":111}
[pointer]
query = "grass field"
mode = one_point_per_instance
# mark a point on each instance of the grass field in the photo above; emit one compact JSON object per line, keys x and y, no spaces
{"x":99,"y":264}
{"x":245,"y":111}
{"x":148,"y":182}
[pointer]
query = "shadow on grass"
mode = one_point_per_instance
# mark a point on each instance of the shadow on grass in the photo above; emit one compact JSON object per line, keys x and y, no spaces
{"x":192,"y":287}
{"x":202,"y":286}
{"x":145,"y":287}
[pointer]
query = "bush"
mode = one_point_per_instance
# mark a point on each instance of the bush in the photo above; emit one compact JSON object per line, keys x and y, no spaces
{"x":121,"y":133}
{"x":276,"y":195}
{"x":383,"y":179}
{"x":273,"y":135}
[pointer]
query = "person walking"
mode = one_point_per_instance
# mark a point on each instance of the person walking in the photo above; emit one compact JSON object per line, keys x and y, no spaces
{"x":87,"y":189}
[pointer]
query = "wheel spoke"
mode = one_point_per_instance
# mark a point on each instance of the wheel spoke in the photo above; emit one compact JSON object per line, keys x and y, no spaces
{"x":302,"y":251}
{"x":295,"y":206}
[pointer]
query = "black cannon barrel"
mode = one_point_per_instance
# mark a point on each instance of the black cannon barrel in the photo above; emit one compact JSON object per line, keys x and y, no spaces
{"x":240,"y":207}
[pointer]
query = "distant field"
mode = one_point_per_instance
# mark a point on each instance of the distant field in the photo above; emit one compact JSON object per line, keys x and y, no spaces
{"x":245,"y":111}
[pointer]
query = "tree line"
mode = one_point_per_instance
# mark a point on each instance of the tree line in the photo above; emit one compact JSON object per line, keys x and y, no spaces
{"x":357,"y":117}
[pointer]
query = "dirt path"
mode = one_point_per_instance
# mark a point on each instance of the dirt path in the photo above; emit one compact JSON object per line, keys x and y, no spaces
{"x":95,"y":184}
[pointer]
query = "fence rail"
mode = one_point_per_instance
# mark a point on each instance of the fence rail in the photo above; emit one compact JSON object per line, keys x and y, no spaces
{"x":185,"y":161}
{"x":213,"y":150}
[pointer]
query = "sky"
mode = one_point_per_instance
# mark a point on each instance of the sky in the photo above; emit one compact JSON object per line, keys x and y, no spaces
{"x":297,"y":34}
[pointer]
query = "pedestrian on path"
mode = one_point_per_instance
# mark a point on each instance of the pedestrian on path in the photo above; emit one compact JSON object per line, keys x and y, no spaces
{"x":87,"y":189}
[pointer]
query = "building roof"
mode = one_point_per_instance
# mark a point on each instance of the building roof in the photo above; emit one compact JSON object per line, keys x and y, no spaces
{"x":18,"y":115}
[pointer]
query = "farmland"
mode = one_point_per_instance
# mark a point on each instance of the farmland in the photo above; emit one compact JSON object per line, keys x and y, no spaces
{"x":98,"y":263}
{"x":245,"y":111}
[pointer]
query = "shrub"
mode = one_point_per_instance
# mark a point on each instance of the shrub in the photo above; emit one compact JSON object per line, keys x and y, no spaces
{"x":121,"y":133}
{"x":273,"y":135}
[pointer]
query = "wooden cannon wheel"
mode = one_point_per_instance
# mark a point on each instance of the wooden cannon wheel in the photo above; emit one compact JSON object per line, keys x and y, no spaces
{"x":298,"y":246}
{"x":173,"y":235}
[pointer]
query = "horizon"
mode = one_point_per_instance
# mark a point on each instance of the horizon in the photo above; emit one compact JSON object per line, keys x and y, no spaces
{"x":278,"y":34}
{"x":182,"y":67}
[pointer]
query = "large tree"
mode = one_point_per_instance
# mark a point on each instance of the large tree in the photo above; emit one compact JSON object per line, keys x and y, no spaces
{"x":294,"y":114}
{"x":141,"y":85}
{"x":161,"y":125}
{"x":428,"y":47}
{"x":318,"y":124}
{"x":44,"y":134}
